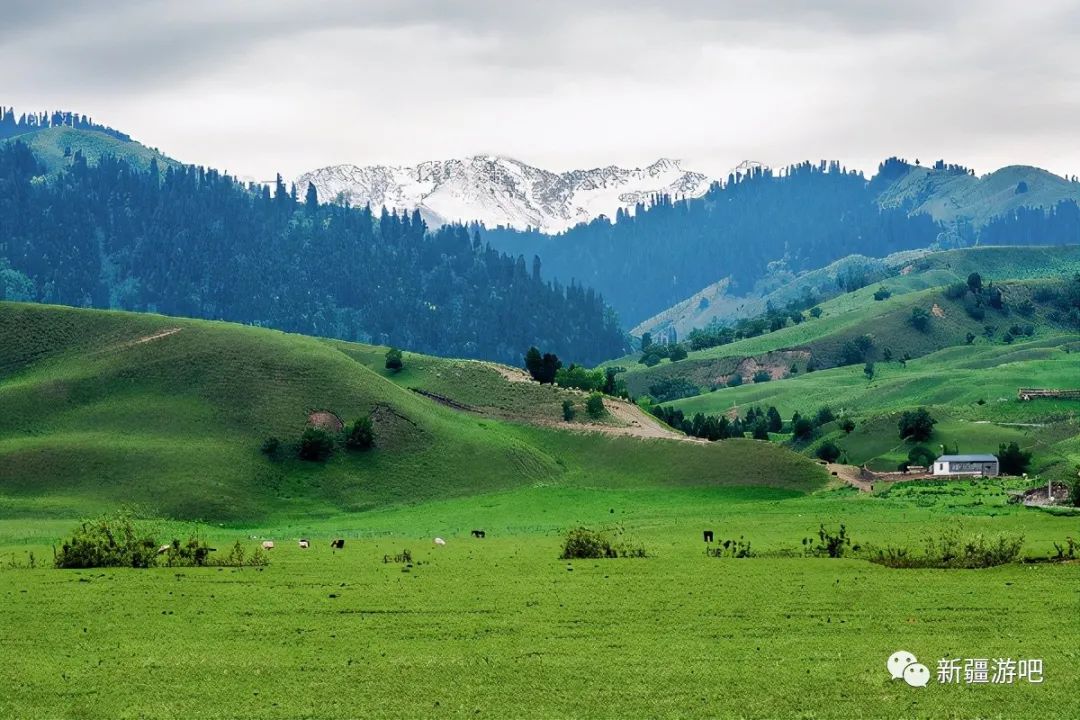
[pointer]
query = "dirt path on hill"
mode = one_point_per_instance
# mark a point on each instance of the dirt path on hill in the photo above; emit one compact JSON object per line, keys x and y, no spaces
{"x":137,"y":341}
{"x":851,"y":475}
{"x":155,"y":336}
{"x":510,"y":373}
{"x":638,"y":422}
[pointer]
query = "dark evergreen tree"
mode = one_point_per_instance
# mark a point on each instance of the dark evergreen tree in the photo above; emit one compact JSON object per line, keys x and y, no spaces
{"x":776,"y":424}
{"x":916,"y":425}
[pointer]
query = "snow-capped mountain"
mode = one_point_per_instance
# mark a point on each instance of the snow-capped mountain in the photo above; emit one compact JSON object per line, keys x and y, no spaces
{"x":502,"y":191}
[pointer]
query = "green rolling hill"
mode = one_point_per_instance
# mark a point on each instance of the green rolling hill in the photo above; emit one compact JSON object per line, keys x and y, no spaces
{"x":912,"y":280}
{"x":51,"y":146}
{"x":965,"y":364}
{"x":902,"y":272}
{"x":960,"y":197}
{"x":104,"y":408}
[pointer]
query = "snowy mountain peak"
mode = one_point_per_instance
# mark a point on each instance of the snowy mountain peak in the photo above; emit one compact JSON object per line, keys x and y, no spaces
{"x":498,"y":190}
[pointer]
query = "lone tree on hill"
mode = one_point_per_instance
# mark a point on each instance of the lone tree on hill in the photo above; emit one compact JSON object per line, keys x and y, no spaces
{"x":533,"y":361}
{"x":550,"y":365}
{"x":776,"y":424}
{"x":595,"y":405}
{"x":568,"y":411}
{"x":974,"y":283}
{"x":920,"y":319}
{"x":361,"y":435}
{"x":802,"y":428}
{"x":916,"y":425}
{"x":315,"y":445}
{"x":393,"y":359}
{"x":542,"y":368}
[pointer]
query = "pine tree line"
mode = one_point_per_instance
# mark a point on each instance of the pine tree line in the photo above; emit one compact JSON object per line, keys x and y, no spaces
{"x":193,"y":242}
{"x":12,"y":125}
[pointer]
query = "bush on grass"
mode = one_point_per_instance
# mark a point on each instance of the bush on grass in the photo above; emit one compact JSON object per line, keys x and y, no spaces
{"x":123,"y":540}
{"x":584,"y":544}
{"x":952,"y":549}
{"x":829,"y":544}
{"x":315,"y":445}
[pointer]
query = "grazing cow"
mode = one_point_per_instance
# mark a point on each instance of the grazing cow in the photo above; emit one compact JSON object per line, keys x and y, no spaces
{"x":163,"y":549}
{"x":479,"y":534}
{"x":439,"y":541}
{"x":303,"y":544}
{"x":708,"y":536}
{"x":337,"y":544}
{"x":268,"y":545}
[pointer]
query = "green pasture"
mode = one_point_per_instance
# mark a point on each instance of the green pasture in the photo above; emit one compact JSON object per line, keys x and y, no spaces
{"x":501,"y":627}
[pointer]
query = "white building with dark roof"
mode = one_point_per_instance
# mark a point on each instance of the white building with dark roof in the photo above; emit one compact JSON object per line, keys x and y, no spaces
{"x":981,"y":465}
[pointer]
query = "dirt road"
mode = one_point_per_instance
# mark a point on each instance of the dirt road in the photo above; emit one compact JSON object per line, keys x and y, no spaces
{"x":851,"y":475}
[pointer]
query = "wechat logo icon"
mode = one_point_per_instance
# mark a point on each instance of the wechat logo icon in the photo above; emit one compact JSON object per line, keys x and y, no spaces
{"x":902,"y":664}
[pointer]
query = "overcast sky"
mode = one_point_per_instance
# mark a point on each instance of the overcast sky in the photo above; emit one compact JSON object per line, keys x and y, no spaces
{"x":258,"y":86}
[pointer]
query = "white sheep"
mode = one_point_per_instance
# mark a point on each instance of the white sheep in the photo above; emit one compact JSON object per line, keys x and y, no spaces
{"x":439,"y":541}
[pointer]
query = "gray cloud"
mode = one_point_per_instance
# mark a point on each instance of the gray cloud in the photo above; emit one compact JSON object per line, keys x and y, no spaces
{"x":258,"y":86}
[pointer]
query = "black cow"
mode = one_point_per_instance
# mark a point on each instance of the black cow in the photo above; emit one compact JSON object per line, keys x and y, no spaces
{"x":479,"y":534}
{"x":337,"y":544}
{"x":708,"y":536}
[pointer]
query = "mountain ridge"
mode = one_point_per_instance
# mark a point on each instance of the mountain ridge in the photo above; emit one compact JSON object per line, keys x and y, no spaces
{"x":501,"y":191}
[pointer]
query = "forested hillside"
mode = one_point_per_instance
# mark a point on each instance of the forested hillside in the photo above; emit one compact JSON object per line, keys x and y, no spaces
{"x":803,"y":218}
{"x":193,"y":242}
{"x":745,"y":235}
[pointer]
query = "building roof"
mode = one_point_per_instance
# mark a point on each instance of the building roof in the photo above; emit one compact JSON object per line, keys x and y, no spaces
{"x":967,"y":458}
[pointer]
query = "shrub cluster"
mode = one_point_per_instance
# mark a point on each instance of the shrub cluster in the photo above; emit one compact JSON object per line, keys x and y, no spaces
{"x":731,"y":548}
{"x":953,"y":549}
{"x":653,"y":353}
{"x":594,"y":406}
{"x":605,"y":381}
{"x":829,"y":544}
{"x":317,"y":444}
{"x":121,"y":540}
{"x":584,"y":544}
{"x":668,"y":389}
{"x":715,"y":334}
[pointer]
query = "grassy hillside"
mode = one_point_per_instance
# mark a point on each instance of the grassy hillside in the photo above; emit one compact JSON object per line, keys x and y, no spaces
{"x":51,"y":144}
{"x":950,"y":196}
{"x":965,"y":365}
{"x":715,"y":304}
{"x":916,"y":281}
{"x":970,"y":391}
{"x":102,"y":408}
{"x":901,"y":272}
